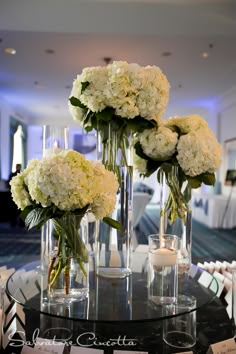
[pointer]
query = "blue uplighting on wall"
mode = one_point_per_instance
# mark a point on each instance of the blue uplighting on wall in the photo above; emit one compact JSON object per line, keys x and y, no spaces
{"x":209,"y":102}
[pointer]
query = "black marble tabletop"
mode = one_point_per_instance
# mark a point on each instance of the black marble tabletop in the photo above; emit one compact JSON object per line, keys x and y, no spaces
{"x":135,"y":333}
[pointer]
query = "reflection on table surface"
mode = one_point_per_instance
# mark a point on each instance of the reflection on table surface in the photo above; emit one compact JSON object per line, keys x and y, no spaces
{"x":109,"y":300}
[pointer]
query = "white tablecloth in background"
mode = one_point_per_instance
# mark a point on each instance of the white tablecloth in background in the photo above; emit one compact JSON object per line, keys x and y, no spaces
{"x":210,"y":209}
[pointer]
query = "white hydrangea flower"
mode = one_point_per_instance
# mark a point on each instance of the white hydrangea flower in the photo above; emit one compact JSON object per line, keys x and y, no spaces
{"x":104,"y":180}
{"x":19,"y":184}
{"x":105,"y":186}
{"x":153,"y":95}
{"x":130,"y":89}
{"x":140,"y":164}
{"x":159,"y":144}
{"x":103,"y":205}
{"x":63,"y":180}
{"x":77,"y":113}
{"x":94,"y":97}
{"x":68,"y":181}
{"x":199,"y":152}
{"x":120,"y":93}
{"x":160,"y":121}
{"x":188,"y":123}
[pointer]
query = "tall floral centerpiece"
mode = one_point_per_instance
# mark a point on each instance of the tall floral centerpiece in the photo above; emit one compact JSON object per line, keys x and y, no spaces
{"x":63,"y":188}
{"x":185,"y":153}
{"x":118,"y":101}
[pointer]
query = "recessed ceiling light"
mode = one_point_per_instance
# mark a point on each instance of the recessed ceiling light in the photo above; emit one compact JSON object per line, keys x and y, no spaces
{"x":68,"y":87}
{"x":166,"y":54}
{"x":107,"y":60}
{"x":10,"y":51}
{"x":180,"y":85}
{"x":204,"y":55}
{"x":37,"y":85}
{"x":49,"y":51}
{"x":0,"y":40}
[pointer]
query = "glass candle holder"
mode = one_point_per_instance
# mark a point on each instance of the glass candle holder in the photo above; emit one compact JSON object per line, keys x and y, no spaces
{"x":163,"y":268}
{"x":179,"y":330}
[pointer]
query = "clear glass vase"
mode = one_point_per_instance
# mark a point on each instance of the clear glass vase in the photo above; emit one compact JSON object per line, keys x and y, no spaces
{"x":55,"y":139}
{"x":176,"y":213}
{"x":66,"y":259}
{"x":113,"y":247}
{"x":120,"y":302}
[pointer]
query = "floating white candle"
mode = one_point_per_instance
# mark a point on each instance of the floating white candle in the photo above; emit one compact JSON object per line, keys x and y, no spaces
{"x":50,"y":152}
{"x":163,"y":257}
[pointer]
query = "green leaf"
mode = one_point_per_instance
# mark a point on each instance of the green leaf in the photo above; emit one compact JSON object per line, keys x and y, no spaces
{"x":94,"y":121}
{"x":208,"y":178}
{"x":139,"y":124}
{"x":175,"y":129}
{"x":187,"y":193}
{"x":80,"y":211}
{"x":38,"y":216}
{"x":167,"y":167}
{"x":106,"y":115}
{"x":159,"y":175}
{"x":139,"y":151}
{"x":88,"y":117}
{"x":113,"y":223}
{"x":88,"y":129}
{"x":181,"y":176}
{"x":84,"y":86}
{"x":195,"y":182}
{"x":56,"y":231}
{"x":76,"y":102}
{"x":57,"y":213}
{"x":26,"y":211}
{"x":152,"y":166}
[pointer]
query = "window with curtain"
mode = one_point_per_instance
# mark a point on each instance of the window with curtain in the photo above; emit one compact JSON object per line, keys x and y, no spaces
{"x":18,"y":137}
{"x":18,"y":149}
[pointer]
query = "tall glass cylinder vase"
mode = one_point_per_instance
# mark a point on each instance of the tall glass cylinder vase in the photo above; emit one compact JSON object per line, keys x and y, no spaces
{"x":66,"y":259}
{"x":55,"y":139}
{"x":113,"y":247}
{"x":119,"y":306}
{"x":176,"y":213}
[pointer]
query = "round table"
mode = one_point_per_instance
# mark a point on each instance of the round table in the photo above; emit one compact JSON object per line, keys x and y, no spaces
{"x":117,"y":314}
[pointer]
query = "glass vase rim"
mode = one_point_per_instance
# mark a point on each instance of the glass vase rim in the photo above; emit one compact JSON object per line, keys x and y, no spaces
{"x":158,"y":236}
{"x":71,"y":214}
{"x":183,"y":300}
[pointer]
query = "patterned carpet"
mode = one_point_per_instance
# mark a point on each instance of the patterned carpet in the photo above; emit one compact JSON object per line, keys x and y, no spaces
{"x":207,"y":244}
{"x":18,"y":246}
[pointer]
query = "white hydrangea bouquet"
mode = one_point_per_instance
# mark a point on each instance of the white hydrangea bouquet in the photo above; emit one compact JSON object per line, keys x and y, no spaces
{"x":125,"y":96}
{"x":186,"y":144}
{"x":57,"y":187}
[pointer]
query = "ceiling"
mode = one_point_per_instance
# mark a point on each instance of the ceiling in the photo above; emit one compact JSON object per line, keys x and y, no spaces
{"x":81,"y":33}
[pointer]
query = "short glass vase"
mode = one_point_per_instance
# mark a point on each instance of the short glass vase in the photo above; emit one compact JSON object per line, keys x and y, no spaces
{"x":65,"y":258}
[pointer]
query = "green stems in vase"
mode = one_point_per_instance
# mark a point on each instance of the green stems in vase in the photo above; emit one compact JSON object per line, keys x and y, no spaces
{"x":69,"y":243}
{"x":175,"y":211}
{"x":68,"y":256}
{"x":113,"y":255}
